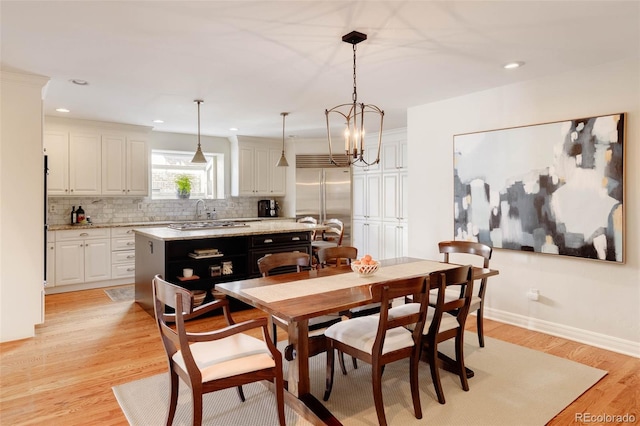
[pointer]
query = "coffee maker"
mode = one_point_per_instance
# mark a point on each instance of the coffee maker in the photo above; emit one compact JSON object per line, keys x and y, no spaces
{"x":268,"y":208}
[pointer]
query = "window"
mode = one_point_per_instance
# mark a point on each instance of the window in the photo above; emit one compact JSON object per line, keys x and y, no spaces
{"x":167,"y":165}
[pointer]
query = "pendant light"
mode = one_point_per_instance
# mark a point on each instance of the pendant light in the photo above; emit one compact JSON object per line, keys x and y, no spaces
{"x":282,"y":162}
{"x":351,"y":116}
{"x":199,"y":156}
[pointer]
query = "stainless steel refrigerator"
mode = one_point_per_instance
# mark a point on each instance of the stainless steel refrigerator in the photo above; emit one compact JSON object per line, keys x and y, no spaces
{"x":323,"y":192}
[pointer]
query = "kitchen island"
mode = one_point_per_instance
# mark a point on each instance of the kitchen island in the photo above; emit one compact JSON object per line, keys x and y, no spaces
{"x":215,"y":255}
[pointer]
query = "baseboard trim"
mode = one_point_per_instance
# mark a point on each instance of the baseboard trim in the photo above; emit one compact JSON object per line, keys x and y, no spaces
{"x":625,"y":347}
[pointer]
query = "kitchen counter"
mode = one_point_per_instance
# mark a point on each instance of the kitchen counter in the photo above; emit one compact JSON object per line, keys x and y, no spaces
{"x":162,"y":223}
{"x":165,"y":233}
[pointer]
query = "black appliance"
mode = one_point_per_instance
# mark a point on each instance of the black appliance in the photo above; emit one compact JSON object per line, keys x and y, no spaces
{"x":268,"y":208}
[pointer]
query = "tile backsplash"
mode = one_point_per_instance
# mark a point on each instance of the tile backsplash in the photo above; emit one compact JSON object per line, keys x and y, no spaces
{"x":116,"y":210}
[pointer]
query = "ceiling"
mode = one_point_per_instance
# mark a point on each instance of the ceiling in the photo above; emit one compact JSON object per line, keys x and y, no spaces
{"x":249,"y":61}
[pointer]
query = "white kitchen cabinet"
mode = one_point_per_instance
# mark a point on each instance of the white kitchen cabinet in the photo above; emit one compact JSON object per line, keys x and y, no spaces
{"x":367,"y":238}
{"x":51,"y":259}
{"x":125,"y":166}
{"x":82,"y":255}
{"x":277,"y":175}
{"x":256,"y":172}
{"x":395,"y":238}
{"x":394,"y":196}
{"x":85,"y":165}
{"x":123,"y":257}
{"x":394,"y":154}
{"x":367,"y":196}
{"x":56,"y":147}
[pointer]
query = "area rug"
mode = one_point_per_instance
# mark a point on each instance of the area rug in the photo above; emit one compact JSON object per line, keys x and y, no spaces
{"x":512,"y":385}
{"x":125,"y":293}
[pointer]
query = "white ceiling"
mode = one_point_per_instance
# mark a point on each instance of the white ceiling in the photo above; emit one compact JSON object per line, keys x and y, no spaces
{"x":249,"y":61}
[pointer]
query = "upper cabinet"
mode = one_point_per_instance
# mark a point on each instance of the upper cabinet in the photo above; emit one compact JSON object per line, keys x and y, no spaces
{"x":94,"y":158}
{"x":74,"y":163}
{"x":254,"y":171}
{"x":125,"y":166}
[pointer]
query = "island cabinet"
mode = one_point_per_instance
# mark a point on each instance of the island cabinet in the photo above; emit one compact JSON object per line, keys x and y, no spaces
{"x":213,"y":260}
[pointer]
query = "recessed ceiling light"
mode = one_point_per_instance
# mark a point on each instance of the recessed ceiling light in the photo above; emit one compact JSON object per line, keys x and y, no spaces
{"x":158,"y":121}
{"x":513,"y":65}
{"x":233,"y":129}
{"x":79,"y":82}
{"x":62,"y":110}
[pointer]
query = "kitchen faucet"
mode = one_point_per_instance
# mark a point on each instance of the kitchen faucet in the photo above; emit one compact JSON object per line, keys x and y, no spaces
{"x":204,"y":208}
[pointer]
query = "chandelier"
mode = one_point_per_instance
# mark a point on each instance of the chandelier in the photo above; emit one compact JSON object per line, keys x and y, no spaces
{"x":199,"y":156}
{"x":351,"y":117}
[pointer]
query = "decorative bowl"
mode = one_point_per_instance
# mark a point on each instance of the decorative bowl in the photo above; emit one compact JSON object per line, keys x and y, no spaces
{"x":198,"y":297}
{"x":365,"y":270}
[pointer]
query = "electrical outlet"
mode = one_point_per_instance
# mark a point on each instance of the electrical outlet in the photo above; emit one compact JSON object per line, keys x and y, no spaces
{"x":139,"y":206}
{"x":533,"y":294}
{"x":52,"y":208}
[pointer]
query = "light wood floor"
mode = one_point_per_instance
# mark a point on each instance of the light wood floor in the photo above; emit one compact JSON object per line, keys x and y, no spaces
{"x":88,"y":344}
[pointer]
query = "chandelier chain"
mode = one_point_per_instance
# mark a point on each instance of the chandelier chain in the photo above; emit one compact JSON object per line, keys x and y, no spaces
{"x":355,"y":92}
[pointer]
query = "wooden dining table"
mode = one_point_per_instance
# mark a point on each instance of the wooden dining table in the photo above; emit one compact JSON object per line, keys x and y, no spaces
{"x":298,"y":297}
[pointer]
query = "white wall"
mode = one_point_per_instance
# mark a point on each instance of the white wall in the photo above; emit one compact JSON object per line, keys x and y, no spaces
{"x":586,"y":300}
{"x":21,"y":205}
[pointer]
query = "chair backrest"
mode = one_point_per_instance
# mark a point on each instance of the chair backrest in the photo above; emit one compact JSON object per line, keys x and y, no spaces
{"x":464,"y":248}
{"x":271,"y":263}
{"x":178,"y":299}
{"x":337,"y":255}
{"x":336,"y":231}
{"x":311,"y":220}
{"x":384,"y":293}
{"x":461,"y":276}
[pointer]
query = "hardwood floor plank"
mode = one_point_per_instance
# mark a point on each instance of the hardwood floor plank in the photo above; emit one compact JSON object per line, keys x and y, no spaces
{"x":64,"y":375}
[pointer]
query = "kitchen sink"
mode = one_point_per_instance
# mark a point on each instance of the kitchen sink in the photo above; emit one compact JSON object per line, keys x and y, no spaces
{"x":193,"y":226}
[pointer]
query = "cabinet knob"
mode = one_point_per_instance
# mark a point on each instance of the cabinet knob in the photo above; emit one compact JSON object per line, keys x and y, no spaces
{"x":131,"y":243}
{"x":268,"y":240}
{"x":131,"y":256}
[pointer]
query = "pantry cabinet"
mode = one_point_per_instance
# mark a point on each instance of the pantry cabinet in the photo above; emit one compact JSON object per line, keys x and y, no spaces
{"x":125,"y":166}
{"x":82,"y":256}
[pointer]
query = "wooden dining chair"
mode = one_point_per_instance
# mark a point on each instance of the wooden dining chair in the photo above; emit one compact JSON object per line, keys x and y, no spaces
{"x":459,"y":250}
{"x":330,"y":237}
{"x":216,"y":359}
{"x":311,"y":220}
{"x":382,"y":339}
{"x":275,"y":263}
{"x":445,"y":321}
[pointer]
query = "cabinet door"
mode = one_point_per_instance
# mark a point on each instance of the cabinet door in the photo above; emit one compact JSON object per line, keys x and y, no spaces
{"x":277,"y":179}
{"x":51,"y":264}
{"x":69,"y":262}
{"x":390,"y":197}
{"x":113,"y":165}
{"x":262,"y":171}
{"x":56,"y":146}
{"x":394,"y":156}
{"x":137,"y":167}
{"x":85,"y":164}
{"x":359,"y":190}
{"x":373,"y":237}
{"x":97,"y":260}
{"x":246,"y":170}
{"x":357,"y":237}
{"x":394,"y":240}
{"x":373,"y":196}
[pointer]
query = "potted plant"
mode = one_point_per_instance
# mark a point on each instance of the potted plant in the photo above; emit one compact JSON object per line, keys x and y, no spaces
{"x":183,"y":185}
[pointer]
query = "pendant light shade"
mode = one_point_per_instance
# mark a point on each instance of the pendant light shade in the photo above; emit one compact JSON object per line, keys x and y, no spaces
{"x":351,"y":118}
{"x":282,"y":162}
{"x":199,"y":156}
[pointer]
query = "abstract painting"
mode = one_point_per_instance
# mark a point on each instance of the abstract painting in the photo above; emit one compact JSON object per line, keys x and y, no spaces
{"x":554,"y":188}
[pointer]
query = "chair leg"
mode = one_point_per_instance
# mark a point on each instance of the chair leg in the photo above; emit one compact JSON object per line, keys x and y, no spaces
{"x":279,"y":385}
{"x":355,"y":362}
{"x":329,"y":378}
{"x":197,"y":407}
{"x":432,"y":358}
{"x":415,"y":387}
{"x":460,"y":361}
{"x":376,"y":380}
{"x":341,"y":361}
{"x":241,"y":393}
{"x":480,"y":323}
{"x":173,"y":398}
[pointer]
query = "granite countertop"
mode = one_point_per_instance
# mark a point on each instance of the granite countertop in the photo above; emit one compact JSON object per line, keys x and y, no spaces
{"x":255,"y":228}
{"x":162,"y":223}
